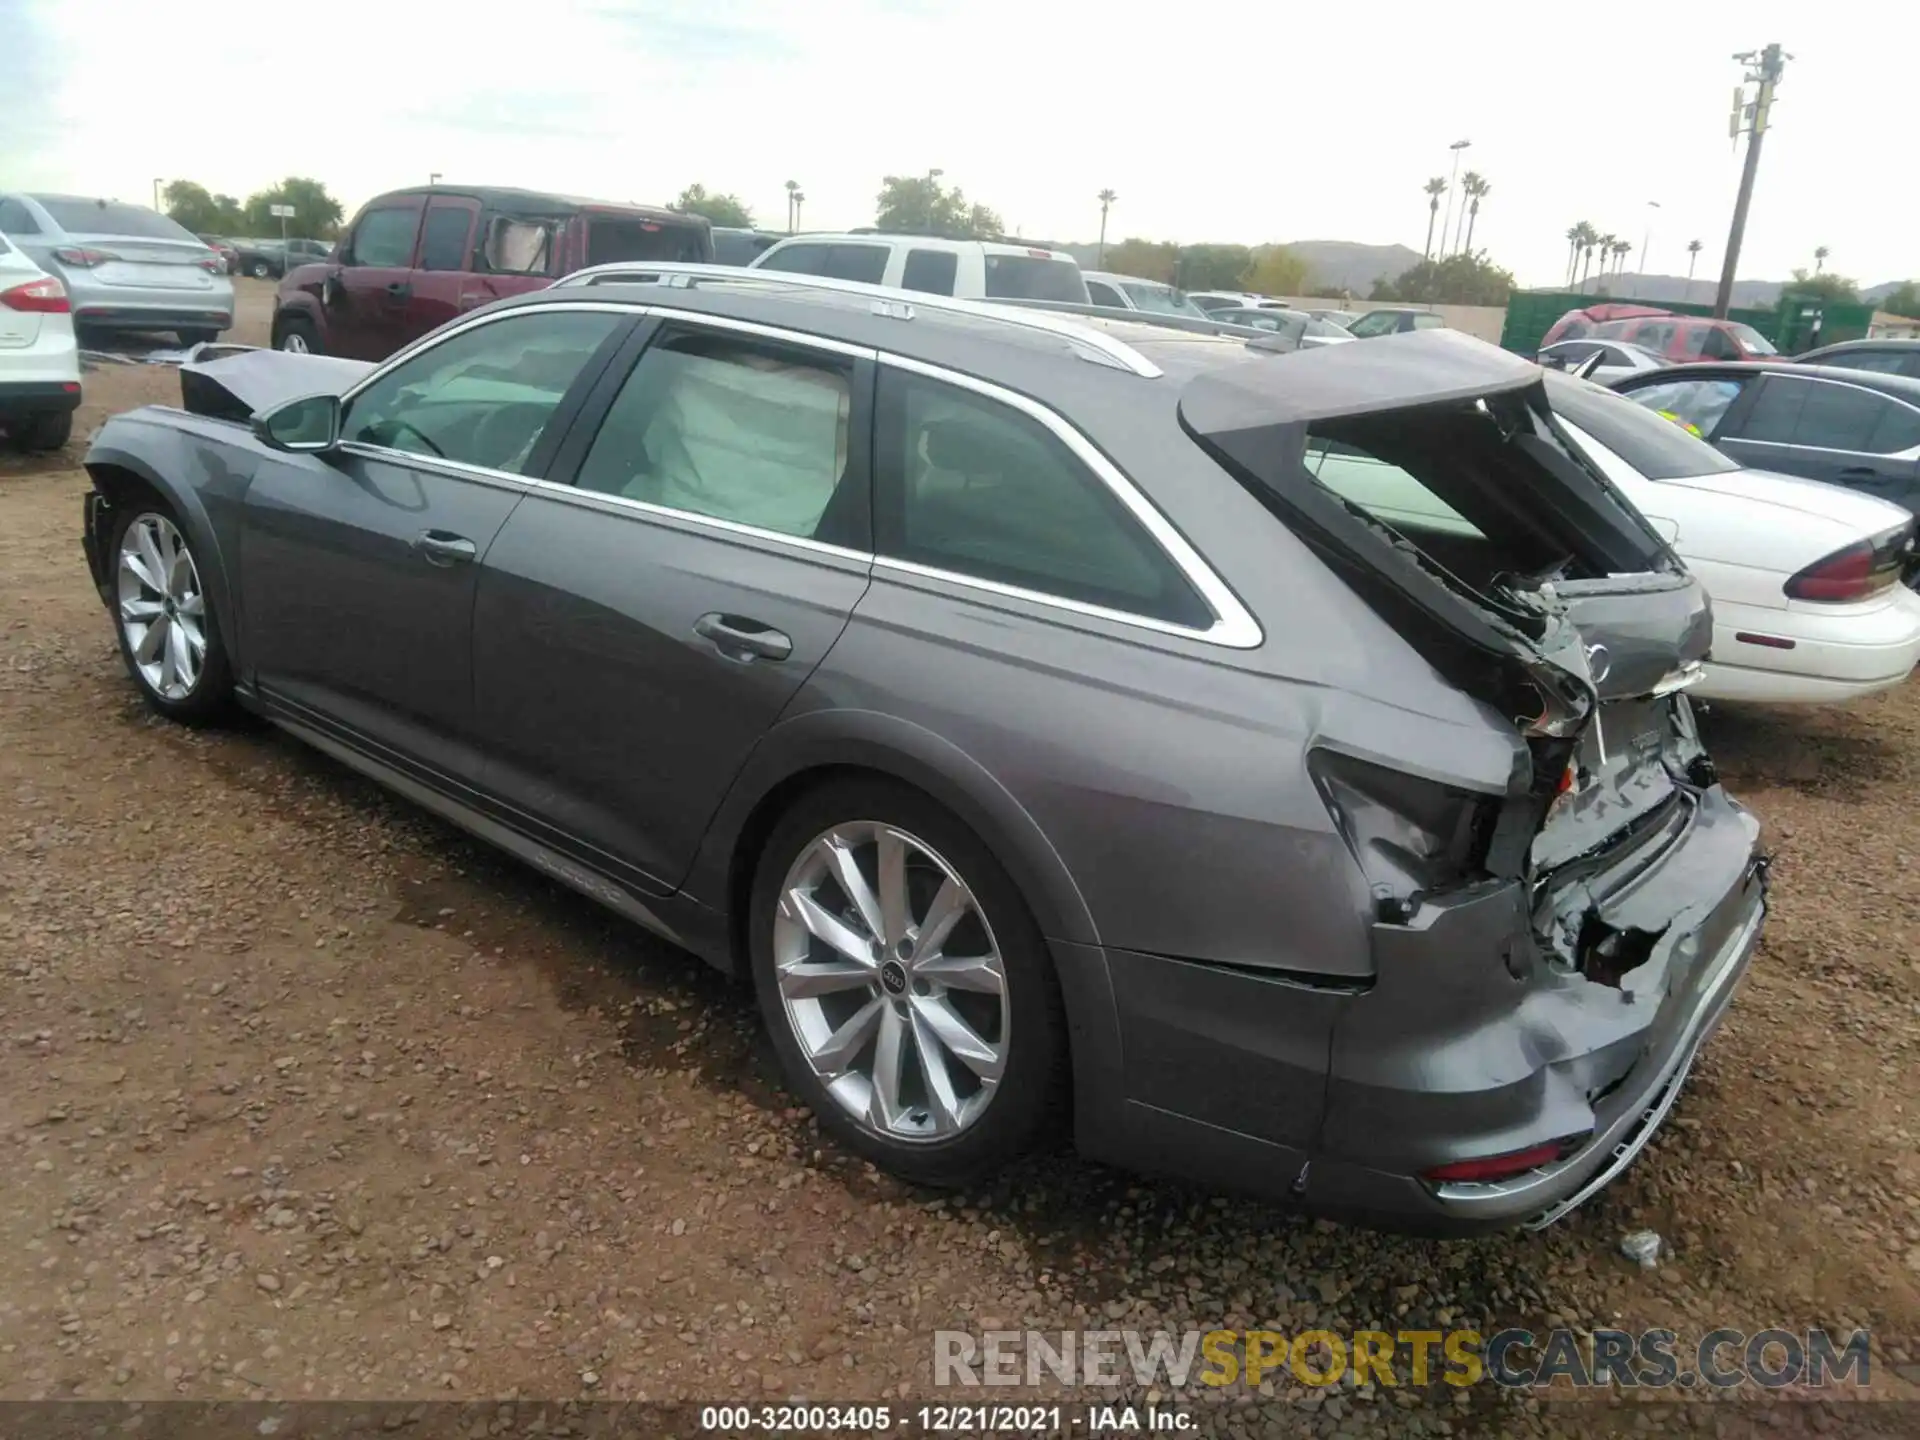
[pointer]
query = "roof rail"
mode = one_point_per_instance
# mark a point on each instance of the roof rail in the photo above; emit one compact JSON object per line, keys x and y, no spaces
{"x":1091,"y":344}
{"x":1194,"y":323}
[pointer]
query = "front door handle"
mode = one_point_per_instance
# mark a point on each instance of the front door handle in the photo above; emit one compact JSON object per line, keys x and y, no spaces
{"x":400,"y":290}
{"x":1855,"y":474}
{"x":437,"y":547}
{"x":742,"y":639}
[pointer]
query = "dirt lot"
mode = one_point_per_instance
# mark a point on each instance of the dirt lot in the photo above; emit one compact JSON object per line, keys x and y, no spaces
{"x":302,"y":1094}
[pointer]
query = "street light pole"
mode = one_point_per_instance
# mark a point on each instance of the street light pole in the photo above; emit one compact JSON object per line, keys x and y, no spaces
{"x":1456,"y":147}
{"x":156,"y":194}
{"x":1764,"y":68}
{"x":1647,"y":238}
{"x":1106,"y":198}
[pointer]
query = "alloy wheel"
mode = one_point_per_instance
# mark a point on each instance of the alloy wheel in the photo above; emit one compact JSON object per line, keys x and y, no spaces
{"x":892,"y":982}
{"x":162,"y":609}
{"x":294,"y":342}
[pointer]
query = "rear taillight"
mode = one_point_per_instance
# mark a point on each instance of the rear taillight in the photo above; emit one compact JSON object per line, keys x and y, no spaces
{"x":213,"y":263}
{"x":1500,"y":1167}
{"x":83,"y":257}
{"x":1413,"y":837}
{"x":1859,"y":570}
{"x":45,"y":296}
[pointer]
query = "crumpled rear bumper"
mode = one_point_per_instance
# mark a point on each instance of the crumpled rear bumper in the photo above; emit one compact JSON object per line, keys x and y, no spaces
{"x":1453,"y":1055}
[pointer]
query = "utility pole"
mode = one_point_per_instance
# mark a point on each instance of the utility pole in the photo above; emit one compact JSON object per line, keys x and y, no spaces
{"x":1762,"y":69}
{"x":1456,"y":147}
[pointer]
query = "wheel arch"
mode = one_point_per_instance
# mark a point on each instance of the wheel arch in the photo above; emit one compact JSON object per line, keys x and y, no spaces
{"x":125,"y":479}
{"x":808,"y":751}
{"x":296,"y":307}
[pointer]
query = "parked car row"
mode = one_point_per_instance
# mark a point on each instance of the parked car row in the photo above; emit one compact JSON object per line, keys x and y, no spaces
{"x":976,"y":676}
{"x":39,"y":356}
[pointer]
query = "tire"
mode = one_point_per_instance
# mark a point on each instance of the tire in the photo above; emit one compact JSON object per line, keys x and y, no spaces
{"x":949,"y":1136}
{"x":191,"y":338}
{"x":205,"y":695}
{"x":44,"y":430}
{"x":260,"y":270}
{"x":297,"y":334}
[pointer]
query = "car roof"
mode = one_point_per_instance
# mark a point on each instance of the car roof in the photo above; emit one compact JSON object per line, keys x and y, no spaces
{"x":511,"y":199}
{"x":1905,"y":387}
{"x":1114,"y":277}
{"x":1889,"y":344}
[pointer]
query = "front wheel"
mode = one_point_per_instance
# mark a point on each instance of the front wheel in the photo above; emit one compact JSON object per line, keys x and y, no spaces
{"x":169,"y":634}
{"x":905,"y":984}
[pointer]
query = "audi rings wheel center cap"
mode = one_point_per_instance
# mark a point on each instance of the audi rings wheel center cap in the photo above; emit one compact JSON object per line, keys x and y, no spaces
{"x":893,"y":978}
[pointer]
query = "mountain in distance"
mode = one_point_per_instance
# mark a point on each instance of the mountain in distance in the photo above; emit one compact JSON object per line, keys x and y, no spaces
{"x":1351,"y":265}
{"x":1662,"y":289}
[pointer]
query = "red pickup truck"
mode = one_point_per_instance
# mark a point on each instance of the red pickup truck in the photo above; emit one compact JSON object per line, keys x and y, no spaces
{"x":414,"y":259}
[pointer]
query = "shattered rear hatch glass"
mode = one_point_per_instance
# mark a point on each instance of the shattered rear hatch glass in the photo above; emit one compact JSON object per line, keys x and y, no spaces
{"x":1428,"y":471}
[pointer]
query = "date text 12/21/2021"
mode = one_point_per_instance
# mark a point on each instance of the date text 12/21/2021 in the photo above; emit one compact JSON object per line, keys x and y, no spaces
{"x":962,"y":1419}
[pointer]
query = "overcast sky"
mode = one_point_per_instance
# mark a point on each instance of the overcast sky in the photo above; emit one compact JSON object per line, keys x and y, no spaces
{"x":1231,"y":120}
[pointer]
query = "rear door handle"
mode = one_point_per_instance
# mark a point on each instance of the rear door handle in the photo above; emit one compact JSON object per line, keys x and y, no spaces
{"x":740,"y":638}
{"x":437,"y":547}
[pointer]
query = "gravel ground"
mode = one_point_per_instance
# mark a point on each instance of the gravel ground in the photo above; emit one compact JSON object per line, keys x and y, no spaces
{"x":304,"y":1095}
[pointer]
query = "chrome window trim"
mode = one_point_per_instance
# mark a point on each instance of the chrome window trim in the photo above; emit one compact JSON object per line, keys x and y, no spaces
{"x":439,"y":464}
{"x":797,"y":338}
{"x":646,"y":509}
{"x":1234,"y":625}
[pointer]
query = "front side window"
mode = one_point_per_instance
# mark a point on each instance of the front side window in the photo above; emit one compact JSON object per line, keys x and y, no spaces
{"x":737,"y":429}
{"x":803,"y":259}
{"x":1751,"y":339}
{"x":384,"y":238}
{"x":1695,"y":405}
{"x":482,"y":396}
{"x":1428,"y":322}
{"x":1377,"y":322}
{"x":1716,"y":344}
{"x":1814,"y":413}
{"x":974,"y":487}
{"x":931,"y":271}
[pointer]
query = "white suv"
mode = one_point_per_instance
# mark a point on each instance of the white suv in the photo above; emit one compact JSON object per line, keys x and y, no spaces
{"x":39,"y":360}
{"x":969,"y":269}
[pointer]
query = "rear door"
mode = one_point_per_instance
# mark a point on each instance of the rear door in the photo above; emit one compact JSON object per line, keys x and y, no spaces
{"x":638,"y":629}
{"x":1827,"y":429}
{"x":369,"y":292}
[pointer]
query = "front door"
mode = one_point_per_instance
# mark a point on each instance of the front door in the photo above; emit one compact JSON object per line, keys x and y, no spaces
{"x":1827,"y":429}
{"x":367,"y":293}
{"x":357,"y":568}
{"x":636,"y":632}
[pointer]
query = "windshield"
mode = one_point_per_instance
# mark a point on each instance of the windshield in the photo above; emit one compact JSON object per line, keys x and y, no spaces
{"x":111,"y":217}
{"x":1034,"y":277}
{"x":1652,"y":445}
{"x":1161,"y":299}
{"x":1751,"y":339}
{"x":1326,"y":329}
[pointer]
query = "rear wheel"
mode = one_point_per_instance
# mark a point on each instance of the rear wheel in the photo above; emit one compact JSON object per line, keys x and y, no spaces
{"x":297,"y":336}
{"x":44,"y":430}
{"x":905,"y":984}
{"x":260,"y":270}
{"x":169,"y":635}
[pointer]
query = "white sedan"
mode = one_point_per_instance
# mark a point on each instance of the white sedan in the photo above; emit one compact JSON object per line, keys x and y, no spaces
{"x":39,"y":361}
{"x":1809,"y":604}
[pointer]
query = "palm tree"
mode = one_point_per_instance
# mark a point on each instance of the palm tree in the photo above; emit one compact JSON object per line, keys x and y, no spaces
{"x":793,"y":189}
{"x":1106,"y":198}
{"x":1820,"y":254}
{"x":1477,"y":188}
{"x":1693,"y":258}
{"x":1472,"y":185}
{"x":1575,"y":234}
{"x":1436,"y":187}
{"x":1603,"y":255}
{"x":1621,"y":249}
{"x":1589,"y":243}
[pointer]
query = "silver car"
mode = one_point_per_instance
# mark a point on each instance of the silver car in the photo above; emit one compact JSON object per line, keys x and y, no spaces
{"x":126,"y":268}
{"x":999,"y":694}
{"x":1601,"y":361}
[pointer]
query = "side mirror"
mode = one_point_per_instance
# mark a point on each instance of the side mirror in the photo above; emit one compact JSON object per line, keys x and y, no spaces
{"x":308,"y":426}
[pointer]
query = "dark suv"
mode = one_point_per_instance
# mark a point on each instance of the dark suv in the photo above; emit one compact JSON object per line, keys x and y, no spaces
{"x":413,"y":259}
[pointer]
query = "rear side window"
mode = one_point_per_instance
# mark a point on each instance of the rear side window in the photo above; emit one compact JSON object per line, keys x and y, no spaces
{"x":931,"y":271}
{"x":443,"y":240}
{"x":384,"y":238}
{"x":1899,"y":429}
{"x":15,"y":219}
{"x":1101,"y":293}
{"x":112,"y":217}
{"x":1695,"y":405}
{"x":1034,"y":277}
{"x":1791,"y":411}
{"x":1428,"y":322}
{"x":973,"y":486}
{"x":735,"y":429}
{"x":511,"y":245}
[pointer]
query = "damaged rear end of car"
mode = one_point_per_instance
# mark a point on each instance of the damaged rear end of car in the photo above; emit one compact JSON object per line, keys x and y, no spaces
{"x":1548,"y":957}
